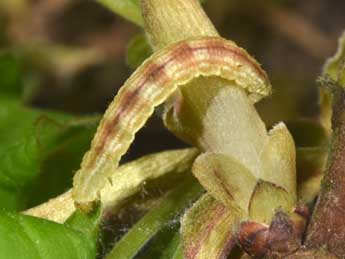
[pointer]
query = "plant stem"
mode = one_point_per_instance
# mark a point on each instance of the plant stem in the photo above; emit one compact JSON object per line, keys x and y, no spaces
{"x":168,"y":21}
{"x":172,"y":206}
{"x":327,"y":227}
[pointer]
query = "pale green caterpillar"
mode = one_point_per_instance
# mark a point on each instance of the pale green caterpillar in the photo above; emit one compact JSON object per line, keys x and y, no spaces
{"x":150,"y":85}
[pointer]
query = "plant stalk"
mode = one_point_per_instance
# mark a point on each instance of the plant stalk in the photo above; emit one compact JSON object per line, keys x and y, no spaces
{"x":327,"y":227}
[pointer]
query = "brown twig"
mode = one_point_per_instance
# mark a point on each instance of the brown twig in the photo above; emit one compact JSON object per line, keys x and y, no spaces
{"x":327,"y":227}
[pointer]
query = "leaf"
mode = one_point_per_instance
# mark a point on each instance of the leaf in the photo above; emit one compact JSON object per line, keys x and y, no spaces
{"x":29,"y":237}
{"x":14,"y":82}
{"x":225,"y":179}
{"x":61,"y":161}
{"x":266,"y":199}
{"x":156,"y":219}
{"x":27,"y":138}
{"x":279,"y":159}
{"x":22,"y":138}
{"x":137,"y":51}
{"x":10,"y":75}
{"x":128,"y":9}
{"x":208,"y":229}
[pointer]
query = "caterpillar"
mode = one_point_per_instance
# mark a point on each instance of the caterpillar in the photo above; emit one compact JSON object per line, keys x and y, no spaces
{"x":150,"y":85}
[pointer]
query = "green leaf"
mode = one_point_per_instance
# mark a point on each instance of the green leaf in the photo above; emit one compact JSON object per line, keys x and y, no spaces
{"x":28,"y":137}
{"x":266,"y":199}
{"x":208,"y":229}
{"x":128,"y":9}
{"x":29,"y":237}
{"x":225,"y":179}
{"x":10,"y":75}
{"x":155,"y":220}
{"x":59,"y":163}
{"x":23,"y":138}
{"x":137,"y":51}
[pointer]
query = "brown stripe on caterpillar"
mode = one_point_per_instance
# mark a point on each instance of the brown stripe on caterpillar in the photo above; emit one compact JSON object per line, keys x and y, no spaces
{"x":154,"y":74}
{"x":235,"y":50}
{"x":110,"y":127}
{"x":184,"y":54}
{"x":150,"y":85}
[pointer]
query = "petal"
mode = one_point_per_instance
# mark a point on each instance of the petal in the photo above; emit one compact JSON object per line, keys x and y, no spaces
{"x":279,"y":159}
{"x":266,"y":199}
{"x":225,"y":179}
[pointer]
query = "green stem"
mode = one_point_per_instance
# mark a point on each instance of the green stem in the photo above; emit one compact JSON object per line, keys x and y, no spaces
{"x":179,"y":252}
{"x":174,"y":249}
{"x":156,"y":219}
{"x":163,"y":20}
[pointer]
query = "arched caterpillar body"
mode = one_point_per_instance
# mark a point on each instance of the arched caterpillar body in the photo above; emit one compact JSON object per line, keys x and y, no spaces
{"x":150,"y":85}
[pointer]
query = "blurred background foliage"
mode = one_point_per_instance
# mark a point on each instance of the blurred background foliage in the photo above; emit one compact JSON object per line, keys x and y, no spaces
{"x":70,"y":56}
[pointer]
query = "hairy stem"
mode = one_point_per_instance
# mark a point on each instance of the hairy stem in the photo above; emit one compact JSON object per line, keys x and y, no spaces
{"x":327,"y":227}
{"x":168,"y":21}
